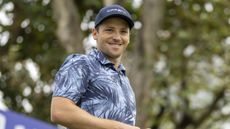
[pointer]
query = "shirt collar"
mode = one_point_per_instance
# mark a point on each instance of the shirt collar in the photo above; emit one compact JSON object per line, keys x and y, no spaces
{"x":100,"y":56}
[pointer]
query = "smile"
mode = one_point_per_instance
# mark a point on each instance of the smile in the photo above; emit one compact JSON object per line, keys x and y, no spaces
{"x":119,"y":44}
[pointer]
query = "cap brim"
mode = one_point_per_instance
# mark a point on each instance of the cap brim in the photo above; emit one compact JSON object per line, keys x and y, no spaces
{"x":127,"y":19}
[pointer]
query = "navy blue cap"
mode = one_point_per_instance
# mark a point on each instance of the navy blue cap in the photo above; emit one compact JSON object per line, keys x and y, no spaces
{"x":113,"y":11}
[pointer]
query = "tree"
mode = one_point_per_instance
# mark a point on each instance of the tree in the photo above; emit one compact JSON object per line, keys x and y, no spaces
{"x":178,"y":60}
{"x":189,"y":91}
{"x":30,"y":43}
{"x":68,"y":21}
{"x":141,"y":73}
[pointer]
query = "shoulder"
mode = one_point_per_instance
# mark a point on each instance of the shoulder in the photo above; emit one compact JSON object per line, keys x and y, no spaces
{"x":75,"y":60}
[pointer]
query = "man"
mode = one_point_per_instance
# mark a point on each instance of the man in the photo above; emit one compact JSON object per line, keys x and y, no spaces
{"x":92,"y":91}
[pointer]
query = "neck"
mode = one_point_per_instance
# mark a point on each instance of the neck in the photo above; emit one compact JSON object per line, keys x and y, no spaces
{"x":116,"y":61}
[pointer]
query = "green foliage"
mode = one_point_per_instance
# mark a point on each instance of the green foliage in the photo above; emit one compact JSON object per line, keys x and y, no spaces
{"x":192,"y":59}
{"x":194,"y":49}
{"x":31,"y":38}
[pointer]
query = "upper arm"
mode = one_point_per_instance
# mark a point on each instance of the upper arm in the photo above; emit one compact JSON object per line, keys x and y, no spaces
{"x":71,"y":81}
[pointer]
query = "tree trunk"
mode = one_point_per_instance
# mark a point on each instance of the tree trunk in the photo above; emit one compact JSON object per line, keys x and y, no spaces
{"x":108,"y":2}
{"x":141,"y":69}
{"x":68,"y":24}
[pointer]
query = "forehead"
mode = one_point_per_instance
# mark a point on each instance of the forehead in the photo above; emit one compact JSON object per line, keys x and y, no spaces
{"x":115,"y":21}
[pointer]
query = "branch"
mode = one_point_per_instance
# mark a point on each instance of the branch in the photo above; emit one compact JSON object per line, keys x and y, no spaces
{"x":212,"y":107}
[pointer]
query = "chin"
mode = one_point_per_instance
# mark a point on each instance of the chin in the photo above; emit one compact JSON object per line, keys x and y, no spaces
{"x":115,"y":55}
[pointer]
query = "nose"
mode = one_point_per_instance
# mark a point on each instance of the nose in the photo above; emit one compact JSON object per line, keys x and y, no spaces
{"x":117,"y":36}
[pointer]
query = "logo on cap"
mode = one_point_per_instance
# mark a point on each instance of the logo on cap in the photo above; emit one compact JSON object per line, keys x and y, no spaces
{"x":116,"y":10}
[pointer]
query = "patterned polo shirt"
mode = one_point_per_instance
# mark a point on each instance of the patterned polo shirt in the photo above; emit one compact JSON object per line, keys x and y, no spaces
{"x":92,"y":82}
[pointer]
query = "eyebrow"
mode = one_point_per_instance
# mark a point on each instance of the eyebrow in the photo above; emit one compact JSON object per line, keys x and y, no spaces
{"x":112,"y":27}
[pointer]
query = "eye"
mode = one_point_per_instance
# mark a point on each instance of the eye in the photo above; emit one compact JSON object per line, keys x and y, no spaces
{"x":124,"y":32}
{"x":109,"y":30}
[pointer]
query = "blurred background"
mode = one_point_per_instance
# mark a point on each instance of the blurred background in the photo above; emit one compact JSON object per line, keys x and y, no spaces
{"x":178,"y":60}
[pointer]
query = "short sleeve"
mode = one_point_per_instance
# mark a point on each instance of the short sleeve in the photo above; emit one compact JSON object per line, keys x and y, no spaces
{"x":71,"y":80}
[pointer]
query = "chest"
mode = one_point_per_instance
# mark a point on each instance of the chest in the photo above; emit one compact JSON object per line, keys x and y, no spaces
{"x":107,"y":84}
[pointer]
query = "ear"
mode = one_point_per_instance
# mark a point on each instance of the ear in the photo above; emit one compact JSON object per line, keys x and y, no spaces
{"x":94,"y":33}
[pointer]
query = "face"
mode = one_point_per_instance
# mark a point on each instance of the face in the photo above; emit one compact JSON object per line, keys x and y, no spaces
{"x":112,"y":37}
